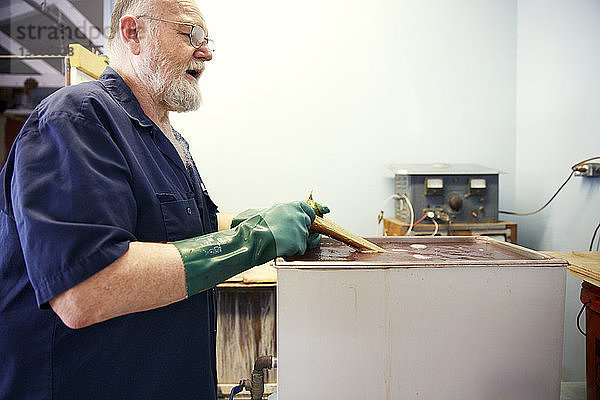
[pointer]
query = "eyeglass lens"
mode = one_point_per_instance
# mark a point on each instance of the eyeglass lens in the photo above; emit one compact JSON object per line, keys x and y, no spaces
{"x":199,"y":37}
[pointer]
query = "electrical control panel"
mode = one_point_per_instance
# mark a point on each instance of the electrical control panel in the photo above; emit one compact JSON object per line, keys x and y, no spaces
{"x":462,"y":193}
{"x":591,"y":170}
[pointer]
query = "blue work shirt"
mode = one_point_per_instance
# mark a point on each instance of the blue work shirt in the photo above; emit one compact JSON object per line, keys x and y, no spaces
{"x":89,"y":173}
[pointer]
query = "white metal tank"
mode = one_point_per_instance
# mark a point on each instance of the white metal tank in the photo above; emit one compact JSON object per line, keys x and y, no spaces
{"x":434,"y":318}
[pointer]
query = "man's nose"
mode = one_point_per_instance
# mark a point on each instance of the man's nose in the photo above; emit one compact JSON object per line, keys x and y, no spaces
{"x":203,"y":53}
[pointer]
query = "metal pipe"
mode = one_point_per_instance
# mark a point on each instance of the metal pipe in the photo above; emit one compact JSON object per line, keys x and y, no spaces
{"x":256,"y":386}
{"x":263,"y":362}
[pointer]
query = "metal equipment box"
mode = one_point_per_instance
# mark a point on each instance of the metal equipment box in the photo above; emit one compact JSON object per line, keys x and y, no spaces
{"x":433,"y":318}
{"x":454,"y":193}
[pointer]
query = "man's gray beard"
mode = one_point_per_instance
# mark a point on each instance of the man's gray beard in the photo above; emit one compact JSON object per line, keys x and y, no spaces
{"x":169,"y":86}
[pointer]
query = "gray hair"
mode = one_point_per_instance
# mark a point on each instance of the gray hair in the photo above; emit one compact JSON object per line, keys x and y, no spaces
{"x":124,"y":7}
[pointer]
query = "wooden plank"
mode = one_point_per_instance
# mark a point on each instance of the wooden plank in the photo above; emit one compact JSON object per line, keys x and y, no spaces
{"x":86,"y":61}
{"x":393,"y":227}
{"x":263,"y":275}
{"x":584,"y":277}
{"x":582,"y":264}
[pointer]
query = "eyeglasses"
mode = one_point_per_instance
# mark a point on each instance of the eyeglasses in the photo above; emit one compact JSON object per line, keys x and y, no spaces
{"x":197,"y":35}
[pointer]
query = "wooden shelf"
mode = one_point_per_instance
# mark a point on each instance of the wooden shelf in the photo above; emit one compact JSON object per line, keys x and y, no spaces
{"x":396,"y":227}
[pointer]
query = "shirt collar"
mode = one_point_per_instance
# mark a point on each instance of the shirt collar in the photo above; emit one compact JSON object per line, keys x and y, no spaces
{"x":118,"y":89}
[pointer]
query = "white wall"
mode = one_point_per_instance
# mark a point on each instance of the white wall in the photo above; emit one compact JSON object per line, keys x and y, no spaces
{"x":319,"y":95}
{"x":557,"y":125}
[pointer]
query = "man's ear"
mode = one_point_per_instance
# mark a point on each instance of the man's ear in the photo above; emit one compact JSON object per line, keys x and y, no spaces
{"x":129,"y":33}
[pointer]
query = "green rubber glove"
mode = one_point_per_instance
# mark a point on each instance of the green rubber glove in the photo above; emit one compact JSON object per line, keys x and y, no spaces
{"x":313,"y":238}
{"x":244,"y":215}
{"x":321,"y":209}
{"x":251,"y":212}
{"x":281,"y":230}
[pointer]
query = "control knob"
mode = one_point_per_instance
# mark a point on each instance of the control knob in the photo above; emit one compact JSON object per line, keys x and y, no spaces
{"x":455,"y":202}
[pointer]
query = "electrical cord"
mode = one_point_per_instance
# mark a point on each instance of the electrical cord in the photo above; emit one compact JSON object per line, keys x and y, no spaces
{"x":542,"y":207}
{"x":420,"y":219}
{"x":580,"y":163}
{"x":380,"y":215}
{"x":594,"y":237}
{"x":437,"y":227}
{"x":575,"y":168}
{"x":412,"y":214}
{"x":579,"y":316}
{"x":410,"y":208}
{"x":431,"y":216}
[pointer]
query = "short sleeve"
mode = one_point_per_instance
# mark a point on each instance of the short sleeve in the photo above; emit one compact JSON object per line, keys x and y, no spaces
{"x":72,"y":201}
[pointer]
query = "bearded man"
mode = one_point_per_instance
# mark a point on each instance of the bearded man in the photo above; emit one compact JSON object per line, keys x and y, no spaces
{"x":109,"y":241}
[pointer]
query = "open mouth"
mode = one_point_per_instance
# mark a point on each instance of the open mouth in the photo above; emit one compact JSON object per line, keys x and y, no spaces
{"x":193,"y":72}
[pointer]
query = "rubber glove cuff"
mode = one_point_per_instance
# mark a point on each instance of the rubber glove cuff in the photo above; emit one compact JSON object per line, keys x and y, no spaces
{"x":281,"y":230}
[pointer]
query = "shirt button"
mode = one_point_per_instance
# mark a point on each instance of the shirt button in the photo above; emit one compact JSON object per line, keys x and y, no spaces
{"x":188,"y":211}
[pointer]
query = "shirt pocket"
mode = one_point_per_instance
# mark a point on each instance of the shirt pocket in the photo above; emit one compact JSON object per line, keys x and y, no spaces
{"x":181,"y":217}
